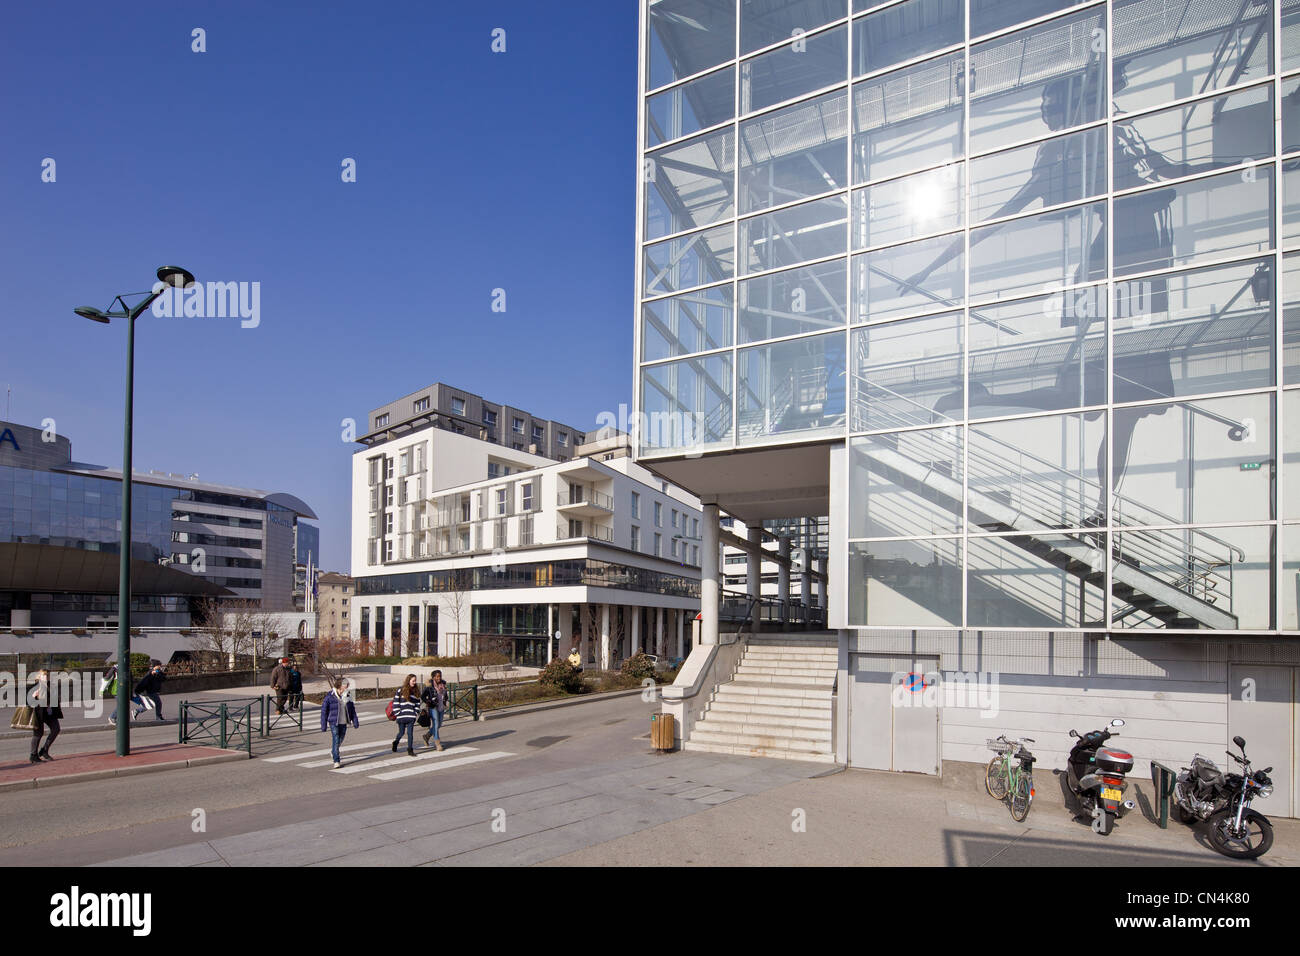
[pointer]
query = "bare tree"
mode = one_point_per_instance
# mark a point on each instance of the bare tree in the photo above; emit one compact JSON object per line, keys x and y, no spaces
{"x":591,"y":620}
{"x":234,"y":629}
{"x":455,"y":600}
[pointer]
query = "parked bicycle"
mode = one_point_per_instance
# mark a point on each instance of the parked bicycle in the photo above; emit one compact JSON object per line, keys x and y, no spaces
{"x":1010,"y":775}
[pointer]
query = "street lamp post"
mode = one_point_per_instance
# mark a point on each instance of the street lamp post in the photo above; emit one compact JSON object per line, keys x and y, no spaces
{"x":177,"y":278}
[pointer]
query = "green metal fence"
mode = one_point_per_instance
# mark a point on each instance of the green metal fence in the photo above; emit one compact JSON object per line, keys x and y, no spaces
{"x":461,"y":702}
{"x":1163,"y":779}
{"x":226,"y":723}
{"x":273,"y":717}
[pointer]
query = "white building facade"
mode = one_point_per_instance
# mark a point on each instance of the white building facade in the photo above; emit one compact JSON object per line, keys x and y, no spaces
{"x":460,"y":545}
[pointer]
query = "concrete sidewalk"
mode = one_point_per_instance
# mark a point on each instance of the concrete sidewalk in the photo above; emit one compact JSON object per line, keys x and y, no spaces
{"x":99,"y":764}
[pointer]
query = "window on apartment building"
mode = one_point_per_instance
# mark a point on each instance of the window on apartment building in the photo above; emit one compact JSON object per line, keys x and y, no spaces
{"x":489,"y":417}
{"x":562,"y":439}
{"x":419,"y":458}
{"x":374,"y":499}
{"x":494,"y":470}
{"x":421,"y":404}
{"x":458,"y":428}
{"x":388,"y":550}
{"x":674,"y":519}
{"x":528,"y":496}
{"x":458,"y":406}
{"x":404,"y":466}
{"x":517,"y":425}
{"x":659,"y":515}
{"x":381,"y":421}
{"x":501,"y":500}
{"x":636,"y":505}
{"x":388,"y":523}
{"x":695,"y":555}
{"x":374,"y":470}
{"x":672,"y":546}
{"x":388,"y":496}
{"x":695,"y":527}
{"x":636,"y":538}
{"x":517,"y":445}
{"x":659,"y":545}
{"x":538,"y":434}
{"x":388,"y":468}
{"x":374,"y":526}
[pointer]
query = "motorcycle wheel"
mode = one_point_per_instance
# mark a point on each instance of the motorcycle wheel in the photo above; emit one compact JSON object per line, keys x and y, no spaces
{"x":995,"y":778}
{"x":1252,"y":844}
{"x":1021,"y":799}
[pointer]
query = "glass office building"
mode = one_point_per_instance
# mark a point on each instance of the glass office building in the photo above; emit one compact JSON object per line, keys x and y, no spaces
{"x":1025,"y":275}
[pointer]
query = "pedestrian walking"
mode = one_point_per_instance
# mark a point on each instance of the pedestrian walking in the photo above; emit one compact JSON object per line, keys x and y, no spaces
{"x":295,"y":686}
{"x":406,"y":709}
{"x":434,"y":696}
{"x":109,"y":686}
{"x":336,"y":712}
{"x":147,"y":690}
{"x":47,"y":713}
{"x":280,"y":683}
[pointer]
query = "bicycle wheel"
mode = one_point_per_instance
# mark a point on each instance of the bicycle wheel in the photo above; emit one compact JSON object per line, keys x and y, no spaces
{"x":995,"y":777}
{"x":1022,"y":797}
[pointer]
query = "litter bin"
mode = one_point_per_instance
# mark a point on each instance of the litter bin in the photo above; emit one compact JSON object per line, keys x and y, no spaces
{"x":661,"y":731}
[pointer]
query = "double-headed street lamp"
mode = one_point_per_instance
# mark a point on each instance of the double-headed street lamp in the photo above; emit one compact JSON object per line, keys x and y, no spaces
{"x":177,"y":278}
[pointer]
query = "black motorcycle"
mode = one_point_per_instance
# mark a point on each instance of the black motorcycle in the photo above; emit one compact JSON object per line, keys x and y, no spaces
{"x":1096,"y":777}
{"x":1203,"y":792}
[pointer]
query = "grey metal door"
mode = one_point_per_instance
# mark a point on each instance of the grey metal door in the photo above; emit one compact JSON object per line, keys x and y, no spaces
{"x":1262,"y":709}
{"x":893,"y":725}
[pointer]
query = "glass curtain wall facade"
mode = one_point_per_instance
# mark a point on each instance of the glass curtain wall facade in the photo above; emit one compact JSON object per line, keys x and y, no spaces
{"x":1037,"y":263}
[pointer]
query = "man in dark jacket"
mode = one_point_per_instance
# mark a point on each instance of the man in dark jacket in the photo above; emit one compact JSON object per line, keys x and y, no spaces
{"x":295,"y":686}
{"x":147,"y":690}
{"x":280,"y":683}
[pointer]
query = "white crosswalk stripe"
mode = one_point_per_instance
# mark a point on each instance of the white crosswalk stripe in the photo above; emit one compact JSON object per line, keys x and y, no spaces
{"x":305,"y":754}
{"x":392,"y":761}
{"x":440,"y":765}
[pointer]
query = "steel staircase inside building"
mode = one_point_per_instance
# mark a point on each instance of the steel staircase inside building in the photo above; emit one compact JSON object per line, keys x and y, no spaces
{"x":778,"y":704}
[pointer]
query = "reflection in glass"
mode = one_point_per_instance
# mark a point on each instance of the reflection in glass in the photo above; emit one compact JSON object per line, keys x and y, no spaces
{"x":686,"y":404}
{"x":1291,"y":319}
{"x":1029,"y":472}
{"x":905,"y":31}
{"x":691,"y":107}
{"x":1035,"y":581}
{"x":1043,"y":354}
{"x":1206,"y":330}
{"x":905,"y":484}
{"x":1224,"y":214}
{"x":687,"y":37}
{"x":902,"y":209}
{"x":763,"y":22}
{"x":814,"y":298}
{"x":1290,"y":34}
{"x":908,"y":119}
{"x":1202,"y":462}
{"x":1198,"y":137}
{"x":1169,"y":50}
{"x":1290,"y":577}
{"x":1291,"y":202}
{"x":1050,"y":75}
{"x":907,"y":373}
{"x":882,"y":292}
{"x":1290,"y":490}
{"x":794,"y":153}
{"x":693,"y":322}
{"x":989,"y":15}
{"x":689,"y":184}
{"x":687,"y":261}
{"x":1060,"y":170}
{"x":794,"y":235}
{"x":1049,"y":250}
{"x":905,"y":583}
{"x":804,"y":64}
{"x":791,"y":387}
{"x":1216,"y":579}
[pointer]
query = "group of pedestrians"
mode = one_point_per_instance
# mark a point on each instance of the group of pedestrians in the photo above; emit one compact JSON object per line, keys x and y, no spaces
{"x":411,"y":705}
{"x":286,"y":681}
{"x":145,"y":695}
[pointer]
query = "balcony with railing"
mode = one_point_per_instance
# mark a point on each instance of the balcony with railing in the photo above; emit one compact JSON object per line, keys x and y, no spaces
{"x":583,"y":531}
{"x":578,"y":501}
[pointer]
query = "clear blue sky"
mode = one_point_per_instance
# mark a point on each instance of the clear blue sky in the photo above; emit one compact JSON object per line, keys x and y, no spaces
{"x":475,"y":171}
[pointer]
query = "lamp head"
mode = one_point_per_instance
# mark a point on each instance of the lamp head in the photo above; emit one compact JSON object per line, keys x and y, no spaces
{"x":175,"y":276}
{"x":89,"y":312}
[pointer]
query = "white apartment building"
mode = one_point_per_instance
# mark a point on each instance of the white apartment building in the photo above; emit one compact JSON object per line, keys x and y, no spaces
{"x":460,"y":545}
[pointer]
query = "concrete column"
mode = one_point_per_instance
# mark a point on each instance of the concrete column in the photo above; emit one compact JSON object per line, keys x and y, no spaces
{"x":550,"y":631}
{"x":681,"y":632}
{"x":604,"y":637}
{"x":636,"y":629}
{"x":659,"y":631}
{"x":709,"y":576}
{"x":783,"y":576}
{"x":754,"y":575}
{"x":567,"y":644}
{"x":821,"y":582}
{"x":583,"y":648}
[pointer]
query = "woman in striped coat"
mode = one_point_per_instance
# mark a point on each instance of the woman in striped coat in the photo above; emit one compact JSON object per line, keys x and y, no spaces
{"x":406,"y":708}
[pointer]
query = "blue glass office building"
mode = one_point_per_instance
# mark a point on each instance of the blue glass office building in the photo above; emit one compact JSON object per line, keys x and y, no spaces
{"x":1009,"y":289}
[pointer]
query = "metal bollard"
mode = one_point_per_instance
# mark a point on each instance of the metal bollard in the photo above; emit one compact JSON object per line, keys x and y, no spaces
{"x":1163,"y":779}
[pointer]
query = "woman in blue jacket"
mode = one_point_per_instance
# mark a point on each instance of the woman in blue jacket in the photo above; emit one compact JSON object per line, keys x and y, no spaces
{"x":406,"y":709}
{"x":336,"y":712}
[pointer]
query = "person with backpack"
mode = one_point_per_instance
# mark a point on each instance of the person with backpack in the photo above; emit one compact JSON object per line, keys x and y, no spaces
{"x":295,"y":686}
{"x":434,"y":696}
{"x":336,"y":712}
{"x":405,"y":709}
{"x":147,"y":690}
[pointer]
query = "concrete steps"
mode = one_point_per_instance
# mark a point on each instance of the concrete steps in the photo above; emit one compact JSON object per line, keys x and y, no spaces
{"x":778,"y":704}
